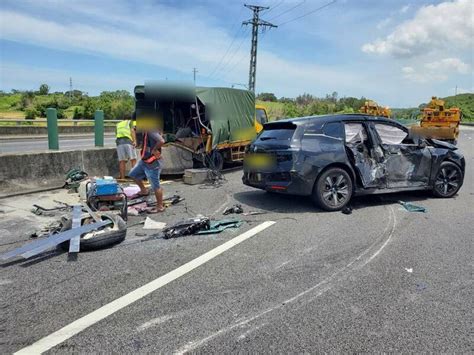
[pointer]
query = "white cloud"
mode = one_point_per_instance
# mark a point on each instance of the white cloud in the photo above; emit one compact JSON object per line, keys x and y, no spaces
{"x":384,"y":23}
{"x":446,"y":25}
{"x":405,"y":8}
{"x":436,"y":71}
{"x":449,"y":64}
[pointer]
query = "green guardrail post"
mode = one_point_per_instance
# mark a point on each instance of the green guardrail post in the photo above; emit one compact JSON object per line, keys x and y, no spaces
{"x":52,"y":123}
{"x":99,"y":128}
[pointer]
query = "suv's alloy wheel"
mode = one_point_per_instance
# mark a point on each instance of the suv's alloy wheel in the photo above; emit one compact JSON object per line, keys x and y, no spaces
{"x":448,"y":180}
{"x":333,"y":189}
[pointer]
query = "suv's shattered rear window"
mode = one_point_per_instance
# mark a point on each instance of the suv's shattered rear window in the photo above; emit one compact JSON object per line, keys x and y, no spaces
{"x":355,"y":133}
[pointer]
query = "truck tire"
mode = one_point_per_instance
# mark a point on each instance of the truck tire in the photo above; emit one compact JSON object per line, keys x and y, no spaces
{"x":105,"y":237}
{"x":215,"y":160}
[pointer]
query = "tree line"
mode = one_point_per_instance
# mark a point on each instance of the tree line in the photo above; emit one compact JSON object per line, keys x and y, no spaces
{"x":117,"y":104}
{"x":309,"y":105}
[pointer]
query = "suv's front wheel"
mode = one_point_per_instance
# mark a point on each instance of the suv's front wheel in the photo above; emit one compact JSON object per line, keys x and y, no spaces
{"x":448,"y":180}
{"x":333,"y":189}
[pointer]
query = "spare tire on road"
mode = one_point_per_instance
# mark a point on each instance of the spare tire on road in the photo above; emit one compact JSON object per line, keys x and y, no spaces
{"x":104,"y":237}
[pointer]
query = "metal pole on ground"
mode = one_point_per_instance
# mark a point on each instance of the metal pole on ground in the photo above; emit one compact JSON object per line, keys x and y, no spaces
{"x":99,"y":128}
{"x":52,"y":123}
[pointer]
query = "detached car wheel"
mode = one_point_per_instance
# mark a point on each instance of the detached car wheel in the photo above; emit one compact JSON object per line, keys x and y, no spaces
{"x":104,"y":237}
{"x":448,"y":180}
{"x":333,"y":189}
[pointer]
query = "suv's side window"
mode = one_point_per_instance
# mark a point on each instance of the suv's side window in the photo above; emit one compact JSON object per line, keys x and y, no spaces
{"x":334,"y":129}
{"x":390,"y":134}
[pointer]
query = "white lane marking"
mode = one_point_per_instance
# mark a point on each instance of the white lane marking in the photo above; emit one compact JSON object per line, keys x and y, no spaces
{"x":321,"y":288}
{"x":80,"y":324}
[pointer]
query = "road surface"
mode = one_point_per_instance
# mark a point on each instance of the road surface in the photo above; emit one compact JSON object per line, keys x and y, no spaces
{"x":22,"y":145}
{"x":378,"y":280}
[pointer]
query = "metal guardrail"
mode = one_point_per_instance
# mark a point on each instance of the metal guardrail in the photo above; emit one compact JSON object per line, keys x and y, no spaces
{"x":73,"y":123}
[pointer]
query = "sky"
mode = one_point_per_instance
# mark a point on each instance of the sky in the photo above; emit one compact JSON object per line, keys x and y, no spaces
{"x":397,"y":52}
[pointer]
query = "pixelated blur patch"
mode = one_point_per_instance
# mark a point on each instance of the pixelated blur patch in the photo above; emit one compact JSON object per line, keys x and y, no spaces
{"x":169,"y":91}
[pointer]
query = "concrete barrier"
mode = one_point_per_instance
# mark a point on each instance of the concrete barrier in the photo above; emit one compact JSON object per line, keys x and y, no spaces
{"x":25,"y":172}
{"x":32,"y":130}
{"x":32,"y":171}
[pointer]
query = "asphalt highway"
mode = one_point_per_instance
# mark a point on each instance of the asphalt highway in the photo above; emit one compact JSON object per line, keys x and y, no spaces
{"x":378,"y":280}
{"x":25,"y":145}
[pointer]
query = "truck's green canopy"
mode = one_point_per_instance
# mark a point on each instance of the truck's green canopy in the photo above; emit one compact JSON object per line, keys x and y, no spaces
{"x":230,"y":112}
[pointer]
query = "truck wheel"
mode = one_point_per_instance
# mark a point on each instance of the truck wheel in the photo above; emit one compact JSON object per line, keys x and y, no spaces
{"x":215,"y":160}
{"x":333,"y":189}
{"x":107,"y":236}
{"x":448,"y":180}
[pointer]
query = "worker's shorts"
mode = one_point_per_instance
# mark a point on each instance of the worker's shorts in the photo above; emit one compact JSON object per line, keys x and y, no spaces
{"x":126,"y":152}
{"x":151,"y":171}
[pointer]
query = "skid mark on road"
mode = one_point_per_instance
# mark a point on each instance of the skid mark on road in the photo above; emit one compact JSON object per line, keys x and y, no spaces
{"x":157,"y":321}
{"x":318,"y":289}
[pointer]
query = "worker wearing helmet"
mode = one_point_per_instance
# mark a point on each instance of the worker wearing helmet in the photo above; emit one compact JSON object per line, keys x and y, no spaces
{"x":126,"y":142}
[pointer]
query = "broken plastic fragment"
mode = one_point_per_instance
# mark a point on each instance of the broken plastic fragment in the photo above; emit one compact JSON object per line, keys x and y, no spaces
{"x":411,"y":207}
{"x":151,"y":224}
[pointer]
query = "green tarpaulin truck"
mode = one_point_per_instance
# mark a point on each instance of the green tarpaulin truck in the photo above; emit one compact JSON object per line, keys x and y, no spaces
{"x":202,"y":125}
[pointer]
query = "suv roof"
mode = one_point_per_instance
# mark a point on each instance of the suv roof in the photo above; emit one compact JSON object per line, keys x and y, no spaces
{"x":337,"y":117}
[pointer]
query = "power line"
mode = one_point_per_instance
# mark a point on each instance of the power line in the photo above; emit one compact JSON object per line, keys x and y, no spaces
{"x":225,"y":54}
{"x":230,"y":45}
{"x":288,"y":10}
{"x":274,"y":7}
{"x":232,"y":55}
{"x":256,"y":22}
{"x":308,"y":13}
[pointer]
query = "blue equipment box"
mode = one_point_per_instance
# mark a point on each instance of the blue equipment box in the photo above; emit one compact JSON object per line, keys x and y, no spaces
{"x":106,"y":187}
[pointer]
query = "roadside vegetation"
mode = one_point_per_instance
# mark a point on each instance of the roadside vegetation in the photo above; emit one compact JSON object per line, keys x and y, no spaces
{"x":119,"y":104}
{"x":309,"y":105}
{"x":72,"y":105}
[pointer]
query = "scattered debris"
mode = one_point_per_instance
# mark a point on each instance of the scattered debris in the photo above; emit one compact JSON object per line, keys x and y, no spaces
{"x":409,"y":270}
{"x":186,"y":227}
{"x":151,"y":224}
{"x":74,"y":242}
{"x":47,"y":230}
{"x":173,"y":200}
{"x":39,"y":210}
{"x":411,"y":207}
{"x":221,"y":225}
{"x":347,"y":210}
{"x":253,"y":213}
{"x":237,"y":209}
{"x":131,"y":191}
{"x":421,"y":286}
{"x":39,"y":246}
{"x":74,"y":178}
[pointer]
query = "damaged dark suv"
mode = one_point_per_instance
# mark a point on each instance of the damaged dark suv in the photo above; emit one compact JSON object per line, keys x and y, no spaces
{"x":335,"y":157}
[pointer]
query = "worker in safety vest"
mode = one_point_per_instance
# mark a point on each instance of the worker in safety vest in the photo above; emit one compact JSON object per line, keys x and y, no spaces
{"x":126,"y":142}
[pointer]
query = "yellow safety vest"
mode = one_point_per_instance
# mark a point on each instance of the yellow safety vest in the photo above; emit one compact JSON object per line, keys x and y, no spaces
{"x":123,"y":130}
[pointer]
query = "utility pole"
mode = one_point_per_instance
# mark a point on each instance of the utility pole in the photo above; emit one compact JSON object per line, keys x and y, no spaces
{"x":255,"y":22}
{"x":70,"y":88}
{"x":194,"y":75}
